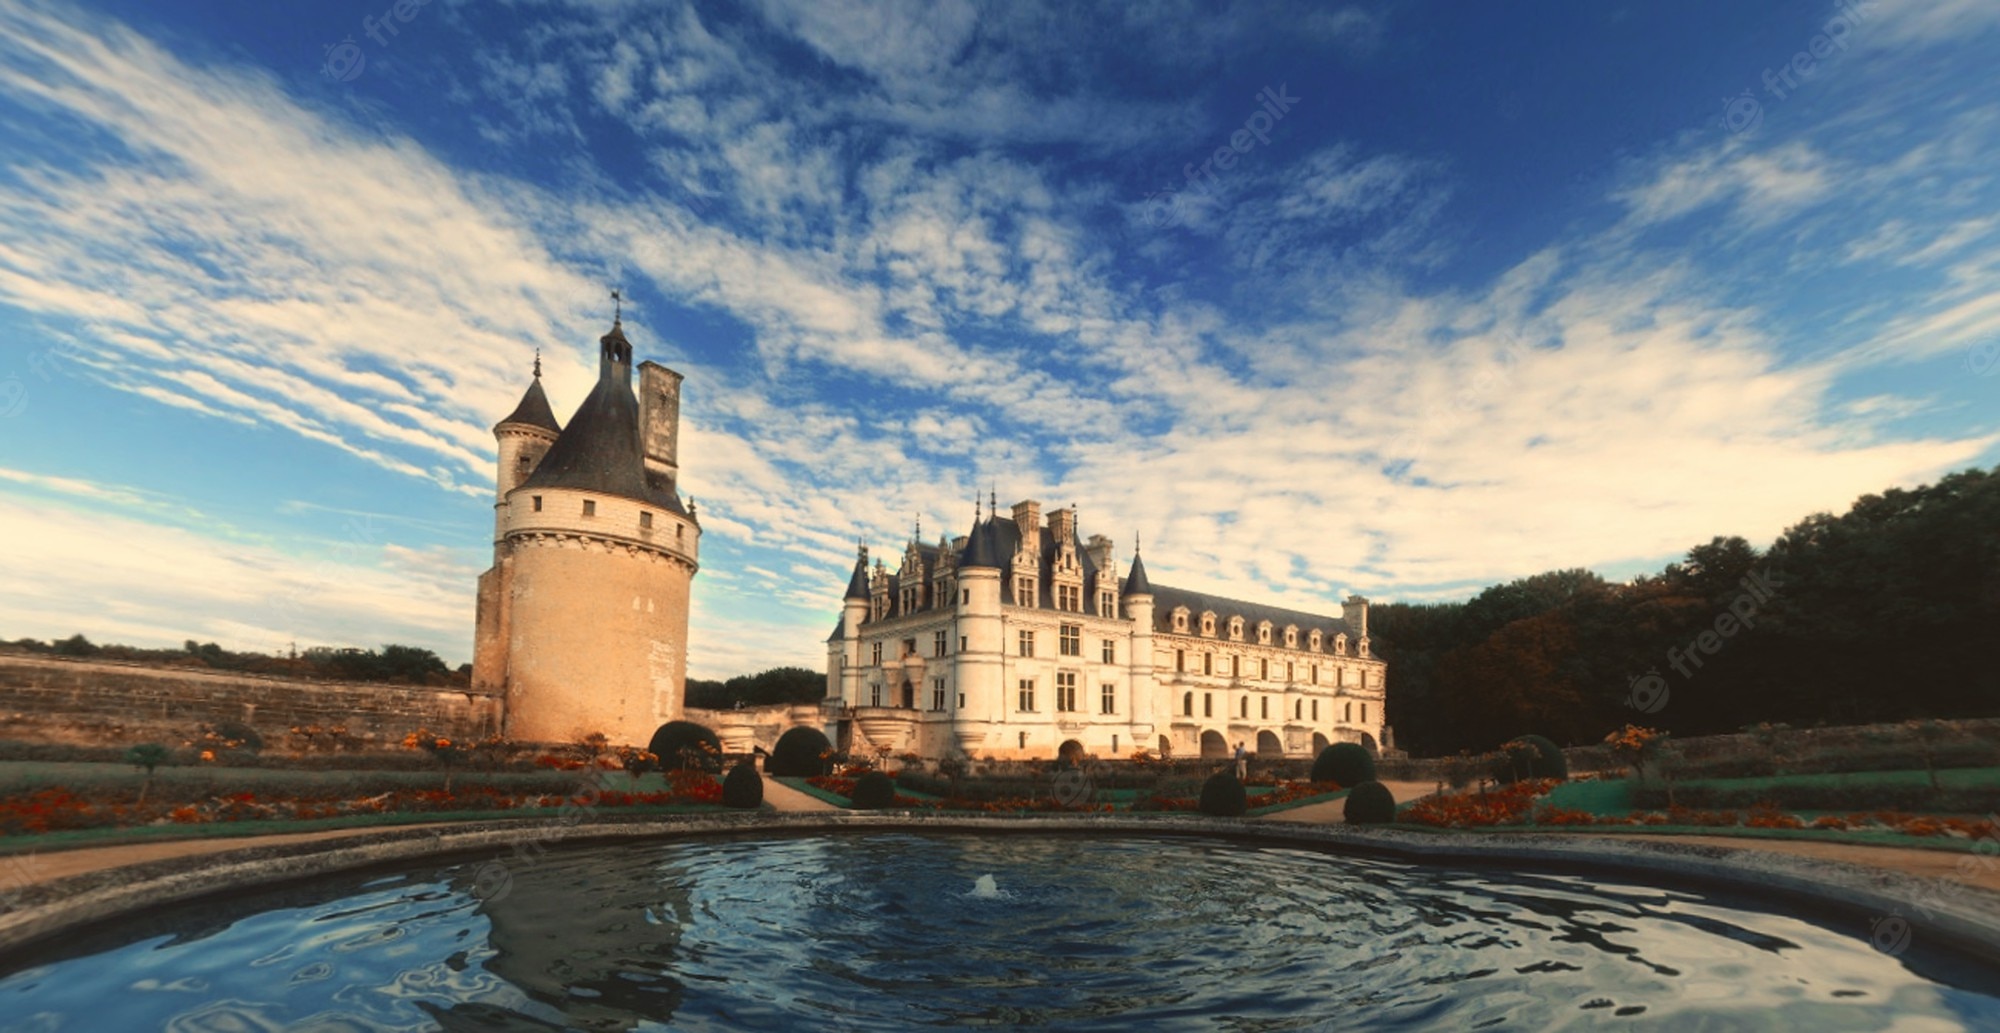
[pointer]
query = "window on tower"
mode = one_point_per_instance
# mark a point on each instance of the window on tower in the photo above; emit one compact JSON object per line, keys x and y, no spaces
{"x":589,"y":507}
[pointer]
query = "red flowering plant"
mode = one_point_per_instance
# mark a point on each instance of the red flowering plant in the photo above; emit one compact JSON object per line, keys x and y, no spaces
{"x":443,"y":750}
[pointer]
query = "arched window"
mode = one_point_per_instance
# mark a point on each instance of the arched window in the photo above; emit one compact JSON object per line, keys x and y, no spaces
{"x":1235,"y":629}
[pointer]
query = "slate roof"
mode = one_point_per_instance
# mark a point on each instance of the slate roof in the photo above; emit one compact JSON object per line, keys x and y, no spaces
{"x":601,"y":450}
{"x":1166,"y":600}
{"x":534,"y":409}
{"x":1135,"y":582}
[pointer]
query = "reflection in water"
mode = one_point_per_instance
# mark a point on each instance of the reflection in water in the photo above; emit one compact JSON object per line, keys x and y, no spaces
{"x":886,"y":931}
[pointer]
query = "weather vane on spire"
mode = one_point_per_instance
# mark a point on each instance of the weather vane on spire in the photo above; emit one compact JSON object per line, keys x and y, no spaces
{"x":617,"y":305}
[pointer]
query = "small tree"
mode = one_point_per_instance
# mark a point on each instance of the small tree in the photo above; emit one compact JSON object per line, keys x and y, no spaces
{"x":1635,"y":746}
{"x":637,"y":762}
{"x":443,"y":750}
{"x":148,"y":755}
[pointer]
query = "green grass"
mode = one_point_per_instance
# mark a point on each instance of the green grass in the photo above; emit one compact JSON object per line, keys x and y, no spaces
{"x":1598,"y":796}
{"x":80,"y":838}
{"x":1606,"y":797}
{"x":1277,"y":808}
{"x":21,"y":776}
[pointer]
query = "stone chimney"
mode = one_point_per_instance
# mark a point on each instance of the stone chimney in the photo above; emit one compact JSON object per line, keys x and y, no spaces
{"x":1062,"y":526}
{"x":1099,"y":549}
{"x":1028,"y":517}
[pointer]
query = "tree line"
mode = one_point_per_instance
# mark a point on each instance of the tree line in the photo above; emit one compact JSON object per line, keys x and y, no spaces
{"x":396,"y":664}
{"x":1885,"y":612}
{"x":777,"y":685}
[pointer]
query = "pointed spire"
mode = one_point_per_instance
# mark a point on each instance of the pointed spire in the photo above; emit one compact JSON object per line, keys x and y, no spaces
{"x":857,"y":585}
{"x":979,"y":552}
{"x":1135,"y":582}
{"x":538,"y":364}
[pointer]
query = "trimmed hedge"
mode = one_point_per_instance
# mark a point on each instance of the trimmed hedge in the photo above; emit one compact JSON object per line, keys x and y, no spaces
{"x":1370,"y":803}
{"x":1530,"y":756}
{"x":1346,"y":763}
{"x":874,"y":791}
{"x":1222,"y":796}
{"x":678,"y":744}
{"x":744,"y":788}
{"x":797,"y":754}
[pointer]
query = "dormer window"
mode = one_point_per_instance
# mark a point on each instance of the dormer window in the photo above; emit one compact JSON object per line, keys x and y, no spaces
{"x":1315,"y":642}
{"x":1340,"y":644}
{"x":1180,"y":619}
{"x":1264,"y":633}
{"x":1291,"y":636}
{"x":1235,"y":629}
{"x":1208,"y":625}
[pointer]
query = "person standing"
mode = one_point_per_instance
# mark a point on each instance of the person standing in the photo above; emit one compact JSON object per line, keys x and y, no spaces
{"x":1242,"y":763}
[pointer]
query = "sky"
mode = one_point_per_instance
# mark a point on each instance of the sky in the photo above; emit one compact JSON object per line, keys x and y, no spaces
{"x":1402,"y":299}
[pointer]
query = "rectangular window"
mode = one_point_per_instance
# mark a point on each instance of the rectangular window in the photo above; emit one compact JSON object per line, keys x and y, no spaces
{"x":1314,"y":669}
{"x":1107,"y":701}
{"x":1027,"y":696}
{"x":1291,"y":672}
{"x":1066,"y":690}
{"x":874,"y":695}
{"x":961,"y":643}
{"x":589,"y":507}
{"x":938,"y":641}
{"x":937,"y":693}
{"x":1024,"y":591}
{"x":1070,"y":640}
{"x":1264,"y":670}
{"x":1208,"y":704}
{"x":961,"y":701}
{"x":1070,"y":598}
{"x":1236,"y":667}
{"x":1315,"y":711}
{"x":878,"y":654}
{"x":1364,"y":713}
{"x":646,"y":520}
{"x":968,"y":597}
{"x":1026,"y":643}
{"x":1208,"y":663}
{"x":1110,"y":651}
{"x":1180,"y":661}
{"x":1107,"y":606}
{"x":1265,"y":708}
{"x":538,"y":503}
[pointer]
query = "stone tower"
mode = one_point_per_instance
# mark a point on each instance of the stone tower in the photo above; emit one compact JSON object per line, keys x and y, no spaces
{"x":583,"y":617}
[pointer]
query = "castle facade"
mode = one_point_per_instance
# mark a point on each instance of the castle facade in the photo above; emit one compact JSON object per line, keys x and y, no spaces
{"x":583,"y":618}
{"x":1020,"y":641}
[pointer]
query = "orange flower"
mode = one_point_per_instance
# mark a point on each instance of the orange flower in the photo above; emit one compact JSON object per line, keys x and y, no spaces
{"x":208,"y":754}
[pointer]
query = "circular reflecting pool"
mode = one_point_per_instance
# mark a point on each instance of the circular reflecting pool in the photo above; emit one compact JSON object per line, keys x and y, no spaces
{"x":892,"y":931}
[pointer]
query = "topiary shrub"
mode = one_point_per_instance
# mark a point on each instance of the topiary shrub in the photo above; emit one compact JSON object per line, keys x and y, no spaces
{"x":1345,"y":763}
{"x":744,"y":788}
{"x":1370,"y":803}
{"x":1222,"y":796}
{"x":797,"y":754}
{"x":1549,"y":762}
{"x":686,"y":746}
{"x":874,"y":791}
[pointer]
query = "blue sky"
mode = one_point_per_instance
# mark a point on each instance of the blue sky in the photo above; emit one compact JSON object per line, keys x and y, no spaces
{"x":1401,"y":299}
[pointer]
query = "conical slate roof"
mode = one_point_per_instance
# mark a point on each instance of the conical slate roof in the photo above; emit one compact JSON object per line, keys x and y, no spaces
{"x":534,"y":408}
{"x":601,"y":451}
{"x":857,"y":586}
{"x":980,"y":551}
{"x":1135,"y":582}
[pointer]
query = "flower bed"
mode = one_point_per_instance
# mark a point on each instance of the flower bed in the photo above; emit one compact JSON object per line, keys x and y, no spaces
{"x":58,"y":809}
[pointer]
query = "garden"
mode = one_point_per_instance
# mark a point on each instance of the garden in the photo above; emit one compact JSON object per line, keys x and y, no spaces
{"x":223,"y":780}
{"x":1920,"y":783}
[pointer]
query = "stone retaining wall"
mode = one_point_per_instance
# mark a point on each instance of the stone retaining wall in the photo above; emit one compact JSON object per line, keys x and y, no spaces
{"x":112,"y":703}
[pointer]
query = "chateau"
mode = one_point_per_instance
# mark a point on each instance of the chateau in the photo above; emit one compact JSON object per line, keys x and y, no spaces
{"x":1019,"y":640}
{"x":583,"y":619}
